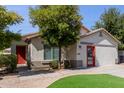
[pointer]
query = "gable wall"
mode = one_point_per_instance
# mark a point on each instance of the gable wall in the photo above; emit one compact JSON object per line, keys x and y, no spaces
{"x":96,"y":39}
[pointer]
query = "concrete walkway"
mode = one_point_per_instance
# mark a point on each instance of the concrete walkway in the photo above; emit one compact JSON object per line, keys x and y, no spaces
{"x":42,"y":79}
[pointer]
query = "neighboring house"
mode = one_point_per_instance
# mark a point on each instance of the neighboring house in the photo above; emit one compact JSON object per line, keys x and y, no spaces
{"x":6,"y":51}
{"x":95,"y":48}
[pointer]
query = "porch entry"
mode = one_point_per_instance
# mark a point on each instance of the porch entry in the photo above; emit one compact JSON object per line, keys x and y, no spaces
{"x":90,"y":56}
{"x":21,"y":54}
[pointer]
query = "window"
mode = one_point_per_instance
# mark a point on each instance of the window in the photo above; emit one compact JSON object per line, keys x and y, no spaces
{"x":51,"y":53}
{"x":55,"y":53}
{"x":47,"y":52}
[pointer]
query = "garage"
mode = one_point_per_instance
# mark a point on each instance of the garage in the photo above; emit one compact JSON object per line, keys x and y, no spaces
{"x":98,"y":48}
{"x":106,"y":55}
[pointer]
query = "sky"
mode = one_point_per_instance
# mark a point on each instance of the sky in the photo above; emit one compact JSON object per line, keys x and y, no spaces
{"x":90,"y":15}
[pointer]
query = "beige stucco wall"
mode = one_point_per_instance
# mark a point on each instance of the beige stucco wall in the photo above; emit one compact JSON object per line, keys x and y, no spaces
{"x":37,"y":50}
{"x":71,"y":52}
{"x":106,"y":49}
{"x":82,"y":54}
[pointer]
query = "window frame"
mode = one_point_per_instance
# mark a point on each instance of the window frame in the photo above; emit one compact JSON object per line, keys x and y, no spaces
{"x":52,"y":57}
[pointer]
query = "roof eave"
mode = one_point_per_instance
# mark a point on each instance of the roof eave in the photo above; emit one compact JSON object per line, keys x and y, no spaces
{"x":101,"y":29}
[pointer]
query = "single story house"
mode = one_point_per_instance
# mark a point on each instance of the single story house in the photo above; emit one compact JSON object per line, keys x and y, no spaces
{"x":95,"y":48}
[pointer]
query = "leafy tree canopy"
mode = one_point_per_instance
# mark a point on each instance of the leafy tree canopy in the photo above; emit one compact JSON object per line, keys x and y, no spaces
{"x":59,"y":25}
{"x":8,"y":18}
{"x":113,"y":21}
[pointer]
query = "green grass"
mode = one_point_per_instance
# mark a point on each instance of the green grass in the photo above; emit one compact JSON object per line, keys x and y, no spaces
{"x":89,"y":81}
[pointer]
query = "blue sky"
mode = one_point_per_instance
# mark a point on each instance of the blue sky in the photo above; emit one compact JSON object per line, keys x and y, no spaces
{"x":90,"y":15}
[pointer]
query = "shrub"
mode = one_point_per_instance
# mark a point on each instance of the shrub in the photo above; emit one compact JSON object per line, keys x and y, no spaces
{"x":54,"y":64}
{"x":67,"y":64}
{"x":3,"y":61}
{"x":13,"y":62}
{"x":9,"y":61}
{"x":121,"y":47}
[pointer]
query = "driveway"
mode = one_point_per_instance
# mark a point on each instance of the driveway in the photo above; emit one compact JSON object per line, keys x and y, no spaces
{"x":42,"y":79}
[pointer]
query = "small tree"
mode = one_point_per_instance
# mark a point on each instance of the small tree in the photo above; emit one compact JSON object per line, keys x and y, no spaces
{"x":7,"y":19}
{"x":59,"y":25}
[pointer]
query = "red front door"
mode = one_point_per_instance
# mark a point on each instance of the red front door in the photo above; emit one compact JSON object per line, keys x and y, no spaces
{"x":91,"y":56}
{"x":21,"y":54}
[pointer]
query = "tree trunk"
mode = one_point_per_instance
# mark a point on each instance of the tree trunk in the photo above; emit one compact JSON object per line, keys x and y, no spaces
{"x":59,"y":64}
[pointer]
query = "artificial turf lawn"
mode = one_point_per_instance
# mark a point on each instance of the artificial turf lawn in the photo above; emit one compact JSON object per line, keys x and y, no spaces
{"x":89,"y":81}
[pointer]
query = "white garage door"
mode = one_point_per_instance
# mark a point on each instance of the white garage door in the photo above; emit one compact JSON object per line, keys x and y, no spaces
{"x":106,"y":55}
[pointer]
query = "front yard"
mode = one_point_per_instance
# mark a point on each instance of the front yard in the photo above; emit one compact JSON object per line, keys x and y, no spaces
{"x":89,"y":81}
{"x":101,"y":77}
